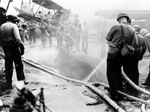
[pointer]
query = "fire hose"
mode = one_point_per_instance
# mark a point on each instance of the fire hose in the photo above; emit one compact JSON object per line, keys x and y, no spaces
{"x":97,"y":91}
{"x":90,"y":86}
{"x":143,"y":106}
{"x":130,"y":82}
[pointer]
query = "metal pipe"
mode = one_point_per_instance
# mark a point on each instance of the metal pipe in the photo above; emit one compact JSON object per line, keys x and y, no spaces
{"x":42,"y":98}
{"x":39,"y":7}
{"x":8,"y":5}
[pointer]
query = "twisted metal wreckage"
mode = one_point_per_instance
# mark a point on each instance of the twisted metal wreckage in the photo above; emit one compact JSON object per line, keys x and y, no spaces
{"x":57,"y":25}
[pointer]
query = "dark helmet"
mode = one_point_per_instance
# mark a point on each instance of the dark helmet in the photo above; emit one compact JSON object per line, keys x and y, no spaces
{"x":137,"y":28}
{"x":122,"y":15}
{"x":2,"y":10}
{"x":24,"y":26}
{"x":13,"y":18}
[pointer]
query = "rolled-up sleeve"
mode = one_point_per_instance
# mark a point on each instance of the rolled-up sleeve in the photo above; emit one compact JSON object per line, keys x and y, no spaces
{"x":111,"y":33}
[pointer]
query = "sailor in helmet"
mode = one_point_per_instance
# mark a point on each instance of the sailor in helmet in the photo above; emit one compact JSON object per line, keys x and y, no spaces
{"x":114,"y":58}
{"x":131,"y":65}
{"x":146,"y":35}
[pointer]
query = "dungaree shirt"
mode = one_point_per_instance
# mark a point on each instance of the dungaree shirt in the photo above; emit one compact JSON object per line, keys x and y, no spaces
{"x":10,"y":33}
{"x":147,"y":41}
{"x":139,"y":43}
{"x":115,"y":35}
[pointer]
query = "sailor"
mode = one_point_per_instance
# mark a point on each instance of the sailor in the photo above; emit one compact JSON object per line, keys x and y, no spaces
{"x":49,"y":16}
{"x":49,"y":29}
{"x":23,"y":32}
{"x":84,"y":37}
{"x":13,"y":49}
{"x":146,"y":35}
{"x":78,"y":36}
{"x":140,"y":49}
{"x":131,"y":68}
{"x":43,"y":34}
{"x":114,"y":58}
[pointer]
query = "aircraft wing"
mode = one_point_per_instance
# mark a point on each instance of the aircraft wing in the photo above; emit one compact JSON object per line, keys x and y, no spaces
{"x":49,"y":4}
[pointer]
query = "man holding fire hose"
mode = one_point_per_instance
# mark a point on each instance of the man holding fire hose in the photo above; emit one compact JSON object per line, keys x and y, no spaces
{"x":114,"y":59}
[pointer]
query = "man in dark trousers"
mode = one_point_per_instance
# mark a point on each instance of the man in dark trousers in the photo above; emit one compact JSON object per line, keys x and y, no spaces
{"x":114,"y":58}
{"x":131,"y":66}
{"x":140,"y":49}
{"x":146,"y":35}
{"x":84,"y":37}
{"x":13,"y":49}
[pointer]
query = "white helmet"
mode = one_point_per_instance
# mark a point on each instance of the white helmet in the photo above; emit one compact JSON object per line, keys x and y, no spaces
{"x":143,"y":32}
{"x":137,"y":28}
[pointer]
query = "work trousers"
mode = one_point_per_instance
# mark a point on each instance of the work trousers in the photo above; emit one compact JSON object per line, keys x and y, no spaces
{"x":114,"y":76}
{"x":12,"y":54}
{"x":147,"y":81}
{"x":130,"y":67}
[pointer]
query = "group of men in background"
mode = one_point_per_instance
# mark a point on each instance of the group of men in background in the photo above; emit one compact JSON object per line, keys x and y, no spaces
{"x":66,"y":34}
